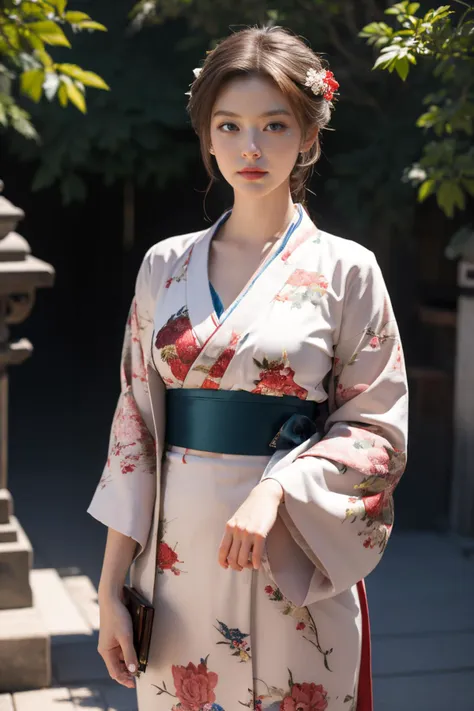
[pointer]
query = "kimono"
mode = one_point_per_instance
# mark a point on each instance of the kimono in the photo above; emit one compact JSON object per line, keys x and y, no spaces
{"x":314,"y":322}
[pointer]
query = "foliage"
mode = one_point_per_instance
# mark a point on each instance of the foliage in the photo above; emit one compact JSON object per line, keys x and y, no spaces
{"x":138,"y":132}
{"x":26,"y":28}
{"x":443,"y":41}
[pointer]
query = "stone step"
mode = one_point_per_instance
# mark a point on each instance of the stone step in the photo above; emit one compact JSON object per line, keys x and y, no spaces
{"x":71,"y":615}
{"x":6,"y":702}
{"x":61,"y":615}
{"x":16,"y":559}
{"x":6,"y":505}
{"x":25,"y":660}
{"x":55,"y":699}
{"x":8,"y":534}
{"x":84,"y":596}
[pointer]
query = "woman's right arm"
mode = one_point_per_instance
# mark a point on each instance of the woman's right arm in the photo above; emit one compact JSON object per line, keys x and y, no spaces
{"x":124,"y":498}
{"x":116,"y":636}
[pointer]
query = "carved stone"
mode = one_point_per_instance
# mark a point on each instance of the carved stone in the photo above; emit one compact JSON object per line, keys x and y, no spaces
{"x":25,"y":659}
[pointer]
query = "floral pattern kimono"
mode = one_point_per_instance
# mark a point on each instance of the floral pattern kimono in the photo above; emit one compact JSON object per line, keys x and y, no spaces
{"x":314,"y":322}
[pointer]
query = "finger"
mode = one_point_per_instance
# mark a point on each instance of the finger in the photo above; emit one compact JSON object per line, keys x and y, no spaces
{"x":225,"y":547}
{"x":129,"y":654}
{"x":116,"y":671}
{"x":245,"y":552}
{"x":257,"y":552}
{"x":233,"y":556}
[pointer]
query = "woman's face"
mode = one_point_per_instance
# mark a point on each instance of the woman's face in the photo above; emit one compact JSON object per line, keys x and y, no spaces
{"x":254,"y":127}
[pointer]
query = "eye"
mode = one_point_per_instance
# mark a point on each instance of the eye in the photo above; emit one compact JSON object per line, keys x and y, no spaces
{"x":276,"y":127}
{"x":228,"y":127}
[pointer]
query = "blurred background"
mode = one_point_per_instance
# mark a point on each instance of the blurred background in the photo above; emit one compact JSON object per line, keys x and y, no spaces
{"x":104,"y":163}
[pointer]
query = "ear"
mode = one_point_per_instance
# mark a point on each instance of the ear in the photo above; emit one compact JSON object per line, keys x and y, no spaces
{"x":310,"y":140}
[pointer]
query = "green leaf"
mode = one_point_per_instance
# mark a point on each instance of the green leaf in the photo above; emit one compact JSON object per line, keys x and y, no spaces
{"x":44,"y":58}
{"x":413,"y":7}
{"x":49,"y":32}
{"x":403,"y":67}
{"x":20,"y":121}
{"x":385,"y":59}
{"x":75,"y":96}
{"x":468,"y":185}
{"x":31,"y":84}
{"x":91,"y":25}
{"x":372,"y":29}
{"x":426,"y":189}
{"x":86,"y":78}
{"x":448,"y":196}
{"x":60,"y":5}
{"x":62,"y":95}
{"x":75,"y":17}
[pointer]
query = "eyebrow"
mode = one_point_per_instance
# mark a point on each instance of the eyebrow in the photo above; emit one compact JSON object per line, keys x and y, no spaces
{"x":273,"y":112}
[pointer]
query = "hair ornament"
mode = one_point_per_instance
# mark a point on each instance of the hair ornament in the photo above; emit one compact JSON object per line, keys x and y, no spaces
{"x":321,"y":82}
{"x":197,"y":72}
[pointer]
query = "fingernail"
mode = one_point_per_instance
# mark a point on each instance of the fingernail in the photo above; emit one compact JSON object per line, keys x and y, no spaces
{"x":132,"y":668}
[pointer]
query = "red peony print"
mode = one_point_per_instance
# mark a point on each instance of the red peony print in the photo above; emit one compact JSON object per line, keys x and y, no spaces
{"x":300,"y":626}
{"x":173,"y":328}
{"x":179,"y":369}
{"x":305,"y":697}
{"x":186,"y":346}
{"x":178,"y":345}
{"x":217,"y":369}
{"x":269,"y":590}
{"x":220,"y":365}
{"x":277,"y":378}
{"x":166,"y":558}
{"x":194,"y":686}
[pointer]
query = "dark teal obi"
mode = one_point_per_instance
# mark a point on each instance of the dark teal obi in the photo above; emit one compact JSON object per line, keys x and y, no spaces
{"x":238,"y":422}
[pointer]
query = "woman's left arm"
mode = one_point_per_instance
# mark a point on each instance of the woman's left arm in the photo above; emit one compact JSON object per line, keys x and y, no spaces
{"x":337,"y":514}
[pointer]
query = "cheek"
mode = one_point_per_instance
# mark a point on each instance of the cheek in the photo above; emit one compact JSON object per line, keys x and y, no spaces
{"x":283,"y":149}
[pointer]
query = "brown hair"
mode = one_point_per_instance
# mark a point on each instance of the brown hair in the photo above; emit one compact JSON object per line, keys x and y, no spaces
{"x":271,"y":52}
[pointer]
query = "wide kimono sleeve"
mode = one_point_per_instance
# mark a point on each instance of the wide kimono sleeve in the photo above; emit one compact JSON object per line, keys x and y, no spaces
{"x":125,"y":495}
{"x":338,"y":507}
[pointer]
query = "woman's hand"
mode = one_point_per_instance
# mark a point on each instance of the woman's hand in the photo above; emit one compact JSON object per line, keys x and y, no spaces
{"x":245,"y":533}
{"x":116,"y":641}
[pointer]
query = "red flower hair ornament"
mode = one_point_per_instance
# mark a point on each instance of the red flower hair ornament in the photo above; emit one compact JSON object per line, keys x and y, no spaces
{"x":321,"y":82}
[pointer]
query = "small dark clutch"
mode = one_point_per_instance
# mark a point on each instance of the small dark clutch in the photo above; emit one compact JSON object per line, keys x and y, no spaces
{"x":142,"y":614}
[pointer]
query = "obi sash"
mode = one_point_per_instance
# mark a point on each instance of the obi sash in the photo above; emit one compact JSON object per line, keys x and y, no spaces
{"x":238,"y":422}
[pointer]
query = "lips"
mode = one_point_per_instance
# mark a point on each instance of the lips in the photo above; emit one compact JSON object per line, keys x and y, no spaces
{"x":252,"y":173}
{"x":252,"y":170}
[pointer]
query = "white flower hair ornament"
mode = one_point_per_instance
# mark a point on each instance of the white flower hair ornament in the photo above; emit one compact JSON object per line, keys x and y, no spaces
{"x":321,"y":82}
{"x":196,"y":73}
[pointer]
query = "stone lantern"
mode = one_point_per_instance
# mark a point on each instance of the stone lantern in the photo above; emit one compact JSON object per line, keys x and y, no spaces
{"x":24,"y":642}
{"x":462,"y":493}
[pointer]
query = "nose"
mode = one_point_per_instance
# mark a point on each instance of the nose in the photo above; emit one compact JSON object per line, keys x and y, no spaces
{"x":251,"y":149}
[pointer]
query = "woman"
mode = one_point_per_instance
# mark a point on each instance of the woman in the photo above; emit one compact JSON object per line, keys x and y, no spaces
{"x":254,"y":533}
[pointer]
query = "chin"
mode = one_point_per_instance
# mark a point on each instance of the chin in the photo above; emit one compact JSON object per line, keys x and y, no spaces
{"x":253,"y":188}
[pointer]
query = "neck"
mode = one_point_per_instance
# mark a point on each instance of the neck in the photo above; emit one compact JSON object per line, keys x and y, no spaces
{"x":260,"y":220}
